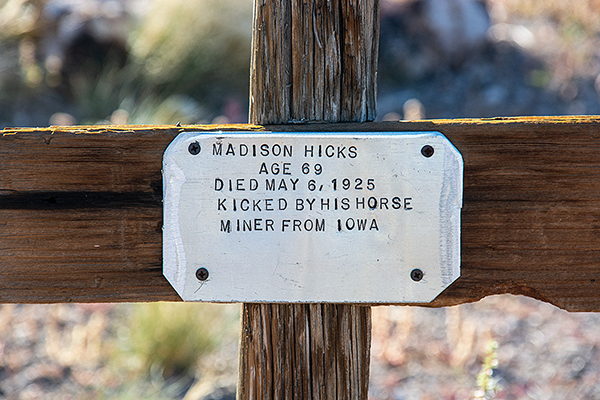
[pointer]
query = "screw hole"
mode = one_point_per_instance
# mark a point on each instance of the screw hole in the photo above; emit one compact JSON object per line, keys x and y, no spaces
{"x":202,"y":274}
{"x":194,"y":148}
{"x":416,"y":275}
{"x":427,"y":151}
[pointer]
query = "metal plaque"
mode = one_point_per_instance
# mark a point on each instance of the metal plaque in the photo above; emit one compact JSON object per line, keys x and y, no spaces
{"x":312,"y":217}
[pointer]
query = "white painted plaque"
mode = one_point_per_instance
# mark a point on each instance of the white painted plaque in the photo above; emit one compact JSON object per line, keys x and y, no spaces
{"x":307,"y":217}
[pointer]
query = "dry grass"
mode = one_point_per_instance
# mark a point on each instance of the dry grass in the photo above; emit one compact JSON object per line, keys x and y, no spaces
{"x":565,"y":32}
{"x":519,"y":347}
{"x":583,"y":13}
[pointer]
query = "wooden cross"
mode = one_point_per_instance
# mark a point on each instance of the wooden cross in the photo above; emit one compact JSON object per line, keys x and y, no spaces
{"x":81,"y":210}
{"x":312,"y":61}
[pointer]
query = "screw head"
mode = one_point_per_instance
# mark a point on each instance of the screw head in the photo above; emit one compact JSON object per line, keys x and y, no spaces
{"x":202,"y":274}
{"x":194,"y":148}
{"x":416,"y":275}
{"x":427,"y":151}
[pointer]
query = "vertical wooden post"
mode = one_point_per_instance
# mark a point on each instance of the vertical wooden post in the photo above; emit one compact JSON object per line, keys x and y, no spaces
{"x":312,"y":60}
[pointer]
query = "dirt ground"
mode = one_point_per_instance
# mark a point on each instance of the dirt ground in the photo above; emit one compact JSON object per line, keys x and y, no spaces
{"x":63,"y":352}
{"x":542,"y":352}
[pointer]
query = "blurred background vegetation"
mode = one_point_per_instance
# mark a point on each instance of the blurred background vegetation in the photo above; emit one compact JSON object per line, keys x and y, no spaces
{"x":68,"y":62}
{"x":168,"y":61}
{"x":94,"y":61}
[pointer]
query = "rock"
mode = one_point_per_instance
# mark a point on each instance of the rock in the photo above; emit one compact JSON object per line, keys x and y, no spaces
{"x":513,"y":34}
{"x":80,"y":37}
{"x":457,"y":27}
{"x":413,"y":110}
{"x":419,"y":37}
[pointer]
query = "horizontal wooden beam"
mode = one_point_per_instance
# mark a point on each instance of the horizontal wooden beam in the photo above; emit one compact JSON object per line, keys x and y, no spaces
{"x":81,"y":210}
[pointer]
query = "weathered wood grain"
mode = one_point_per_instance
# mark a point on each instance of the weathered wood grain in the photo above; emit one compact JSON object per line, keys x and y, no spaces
{"x":314,"y":61}
{"x":80,"y":213}
{"x":323,"y":341}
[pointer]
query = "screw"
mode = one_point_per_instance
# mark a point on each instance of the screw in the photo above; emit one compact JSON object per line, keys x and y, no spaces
{"x":416,"y":275}
{"x":202,"y":274}
{"x":194,"y":148}
{"x":427,"y":151}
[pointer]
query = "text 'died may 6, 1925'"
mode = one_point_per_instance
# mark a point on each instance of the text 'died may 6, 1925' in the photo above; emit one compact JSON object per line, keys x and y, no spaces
{"x":283,"y":217}
{"x":301,"y":187}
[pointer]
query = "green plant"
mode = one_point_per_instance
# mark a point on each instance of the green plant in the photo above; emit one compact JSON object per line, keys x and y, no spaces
{"x":122,"y":90}
{"x":195,"y":46}
{"x":135,"y":390}
{"x":488,"y":386}
{"x":185,"y":60}
{"x":169,"y":339}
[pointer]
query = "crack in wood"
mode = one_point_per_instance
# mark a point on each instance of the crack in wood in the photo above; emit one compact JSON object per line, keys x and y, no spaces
{"x":65,"y":200}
